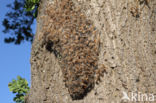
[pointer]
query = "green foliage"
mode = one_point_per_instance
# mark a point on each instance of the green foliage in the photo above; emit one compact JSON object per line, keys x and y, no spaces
{"x":31,"y":4}
{"x":18,"y":23}
{"x":20,"y":88}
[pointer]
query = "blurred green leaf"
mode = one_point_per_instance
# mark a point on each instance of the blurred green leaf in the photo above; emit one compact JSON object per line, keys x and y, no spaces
{"x":20,"y":87}
{"x":31,"y":4}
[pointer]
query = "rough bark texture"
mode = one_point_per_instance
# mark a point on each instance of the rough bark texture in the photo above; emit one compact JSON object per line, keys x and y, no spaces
{"x":128,"y":51}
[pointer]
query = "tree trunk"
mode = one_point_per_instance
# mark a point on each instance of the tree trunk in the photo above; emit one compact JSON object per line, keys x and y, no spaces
{"x":127,"y":49}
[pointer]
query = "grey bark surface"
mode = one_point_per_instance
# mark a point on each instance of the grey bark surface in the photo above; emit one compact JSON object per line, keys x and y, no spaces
{"x":128,"y":50}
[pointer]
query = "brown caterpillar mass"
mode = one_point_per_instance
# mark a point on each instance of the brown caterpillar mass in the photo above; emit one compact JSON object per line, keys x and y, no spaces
{"x":74,"y":38}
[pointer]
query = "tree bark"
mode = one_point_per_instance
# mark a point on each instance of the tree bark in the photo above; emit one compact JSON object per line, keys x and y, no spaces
{"x":127,"y":49}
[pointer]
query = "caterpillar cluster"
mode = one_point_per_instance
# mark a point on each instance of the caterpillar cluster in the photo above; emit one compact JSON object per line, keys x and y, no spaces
{"x":74,"y":38}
